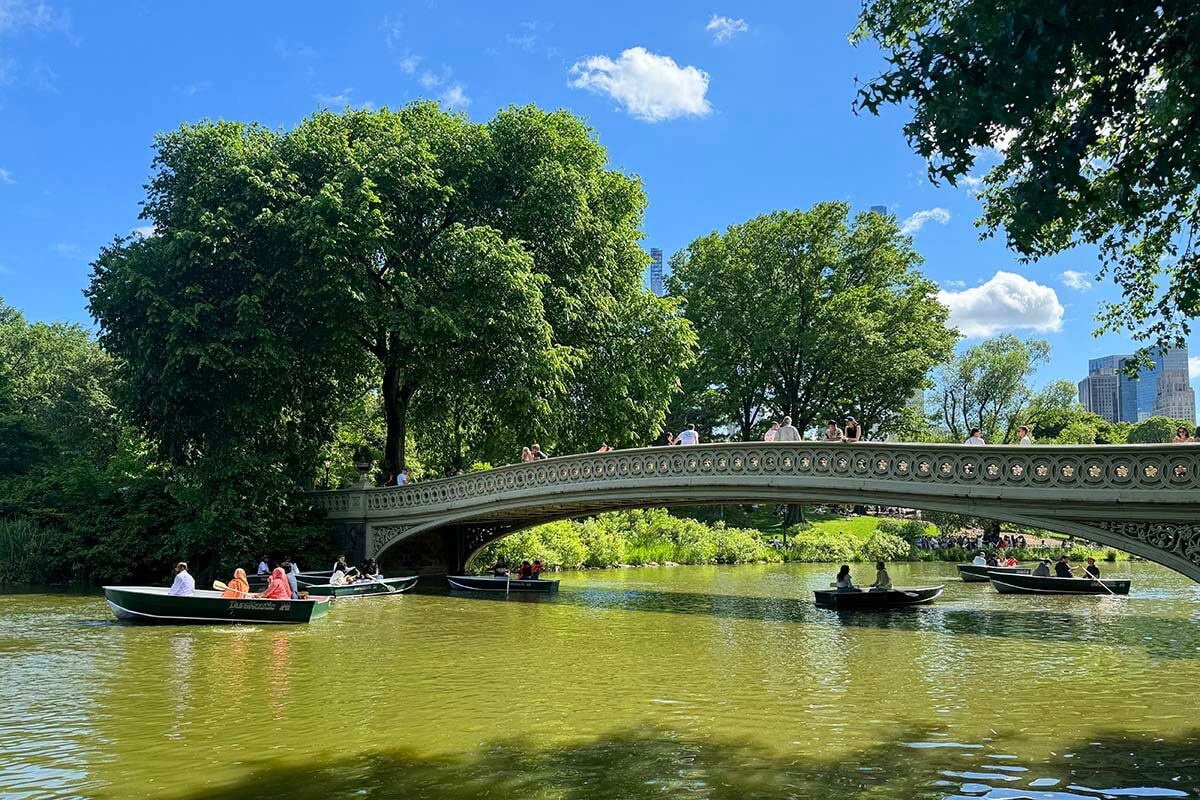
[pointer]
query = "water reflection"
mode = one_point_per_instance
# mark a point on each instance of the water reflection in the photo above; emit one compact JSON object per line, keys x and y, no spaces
{"x":712,"y":683}
{"x":657,"y":763}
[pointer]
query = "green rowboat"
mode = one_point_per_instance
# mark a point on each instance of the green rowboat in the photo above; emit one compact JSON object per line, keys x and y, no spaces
{"x":875,"y":599}
{"x":152,"y":604}
{"x":978,"y":573}
{"x":487,"y":583}
{"x":364,"y":588}
{"x":1036,"y":584}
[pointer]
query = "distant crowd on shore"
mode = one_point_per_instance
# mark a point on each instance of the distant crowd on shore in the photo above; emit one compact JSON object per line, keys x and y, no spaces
{"x":849,"y":432}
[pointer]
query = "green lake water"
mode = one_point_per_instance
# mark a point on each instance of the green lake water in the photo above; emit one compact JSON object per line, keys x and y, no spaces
{"x":690,"y":682}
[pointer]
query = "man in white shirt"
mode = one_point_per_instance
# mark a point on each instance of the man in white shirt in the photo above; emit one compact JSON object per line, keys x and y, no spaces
{"x":976,"y":438}
{"x":979,"y":560}
{"x":185,"y":584}
{"x":1023,"y":436}
{"x":263,"y":568}
{"x":770,"y":435}
{"x":688,"y":436}
{"x":787,"y":432}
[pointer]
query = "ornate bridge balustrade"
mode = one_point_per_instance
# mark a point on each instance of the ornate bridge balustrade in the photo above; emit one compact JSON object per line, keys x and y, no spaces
{"x":1144,"y":499}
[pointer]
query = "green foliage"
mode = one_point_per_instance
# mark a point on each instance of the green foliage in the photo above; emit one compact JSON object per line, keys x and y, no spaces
{"x":629,"y":537}
{"x":811,"y":314}
{"x":1089,"y":108}
{"x":987,"y":387}
{"x":1158,"y":430}
{"x":291,"y":269}
{"x":821,"y":546}
{"x":886,"y":547}
{"x":25,"y":548}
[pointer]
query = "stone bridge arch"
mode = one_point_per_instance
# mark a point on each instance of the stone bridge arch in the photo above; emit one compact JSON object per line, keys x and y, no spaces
{"x":1144,"y":499}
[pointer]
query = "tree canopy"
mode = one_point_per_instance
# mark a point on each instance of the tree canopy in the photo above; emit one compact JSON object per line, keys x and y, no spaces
{"x":481,"y":274}
{"x":987,"y":387}
{"x":811,"y":314}
{"x":1094,"y":109}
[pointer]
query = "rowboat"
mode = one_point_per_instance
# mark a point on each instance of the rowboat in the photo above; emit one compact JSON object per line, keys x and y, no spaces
{"x":1036,"y":584}
{"x":364,"y":588}
{"x":258,"y":583}
{"x":152,"y":604}
{"x":976,"y":573}
{"x":870,"y":599}
{"x":487,"y":583}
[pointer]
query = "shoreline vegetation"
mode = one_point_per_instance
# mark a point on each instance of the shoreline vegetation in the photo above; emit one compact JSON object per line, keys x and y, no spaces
{"x":659,"y":537}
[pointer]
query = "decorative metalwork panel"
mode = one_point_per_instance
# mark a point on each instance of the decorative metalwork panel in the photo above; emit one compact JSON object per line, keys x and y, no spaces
{"x":1157,"y":468}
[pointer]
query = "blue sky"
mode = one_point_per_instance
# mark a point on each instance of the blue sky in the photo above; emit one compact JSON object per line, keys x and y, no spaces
{"x":725,"y":113}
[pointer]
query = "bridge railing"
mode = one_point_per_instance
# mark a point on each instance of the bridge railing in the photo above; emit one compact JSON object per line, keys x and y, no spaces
{"x":1166,"y":473}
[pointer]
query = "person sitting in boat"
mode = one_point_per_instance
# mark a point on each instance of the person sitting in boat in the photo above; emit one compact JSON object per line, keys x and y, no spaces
{"x":1042,"y":570}
{"x":980,"y":560}
{"x":239,"y":586}
{"x":1010,"y":562}
{"x":500,"y":570}
{"x":525,"y":571}
{"x":184,"y":584}
{"x":536,"y":570}
{"x":338,"y":578}
{"x":883,"y":581}
{"x":277,"y":586}
{"x":340,"y":564}
{"x":1091,"y":570}
{"x":369,"y":567}
{"x":844,"y":582}
{"x":289,"y":569}
{"x":992,"y":561}
{"x":1062,"y":569}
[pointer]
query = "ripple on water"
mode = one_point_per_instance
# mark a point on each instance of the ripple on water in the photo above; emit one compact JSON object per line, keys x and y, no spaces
{"x":634,"y":684}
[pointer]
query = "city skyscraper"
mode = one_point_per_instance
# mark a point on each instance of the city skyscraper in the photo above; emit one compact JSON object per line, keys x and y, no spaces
{"x":656,"y":276}
{"x":1161,"y":389}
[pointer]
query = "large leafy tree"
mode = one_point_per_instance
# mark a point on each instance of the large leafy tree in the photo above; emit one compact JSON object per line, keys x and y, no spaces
{"x":413,"y":251}
{"x":810,"y":313}
{"x":987,"y":387}
{"x":1094,"y":106}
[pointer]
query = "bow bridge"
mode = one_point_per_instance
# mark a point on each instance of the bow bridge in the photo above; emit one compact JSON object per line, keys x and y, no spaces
{"x":1144,"y":499}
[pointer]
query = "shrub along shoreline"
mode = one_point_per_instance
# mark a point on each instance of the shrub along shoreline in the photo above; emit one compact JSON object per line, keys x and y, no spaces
{"x":655,"y":536}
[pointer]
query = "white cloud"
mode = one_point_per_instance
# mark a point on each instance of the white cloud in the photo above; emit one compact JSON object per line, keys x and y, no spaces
{"x":1194,"y":367}
{"x":35,"y":15}
{"x":1007,"y":301}
{"x":408,"y":63}
{"x":725,"y":28}
{"x":145,"y":231}
{"x":6,"y":177}
{"x":525,"y":41}
{"x":1076,"y":280}
{"x":432,"y":80}
{"x":972,"y":182}
{"x":392,"y":29}
{"x":454,"y":97}
{"x":650,"y":87}
{"x":954,"y":284}
{"x":68,"y":250}
{"x":342,"y":98}
{"x":917,"y":221}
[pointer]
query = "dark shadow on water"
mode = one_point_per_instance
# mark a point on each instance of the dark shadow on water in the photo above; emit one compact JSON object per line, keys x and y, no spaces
{"x":1159,"y":637}
{"x":632,"y":765}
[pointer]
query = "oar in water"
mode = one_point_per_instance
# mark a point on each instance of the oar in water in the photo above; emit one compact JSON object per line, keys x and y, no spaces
{"x":221,"y":587}
{"x":507,"y":582}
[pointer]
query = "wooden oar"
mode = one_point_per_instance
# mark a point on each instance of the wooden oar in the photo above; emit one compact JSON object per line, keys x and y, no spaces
{"x":221,"y":587}
{"x":387,"y":586}
{"x":507,"y":582}
{"x":1102,"y":583}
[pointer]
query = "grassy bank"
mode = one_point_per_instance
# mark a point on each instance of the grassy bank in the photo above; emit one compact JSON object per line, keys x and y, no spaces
{"x":636,"y":538}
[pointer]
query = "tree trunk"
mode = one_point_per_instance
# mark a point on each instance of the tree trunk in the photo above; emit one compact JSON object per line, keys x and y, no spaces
{"x":396,"y":398}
